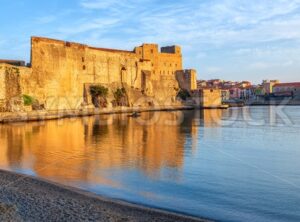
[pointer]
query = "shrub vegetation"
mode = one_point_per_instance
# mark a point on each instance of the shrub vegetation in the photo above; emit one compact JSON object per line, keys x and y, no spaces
{"x":183,"y":94}
{"x":28,"y":100}
{"x":99,"y":91}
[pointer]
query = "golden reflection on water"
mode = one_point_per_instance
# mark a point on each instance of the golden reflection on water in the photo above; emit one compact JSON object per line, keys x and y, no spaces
{"x":82,"y":149}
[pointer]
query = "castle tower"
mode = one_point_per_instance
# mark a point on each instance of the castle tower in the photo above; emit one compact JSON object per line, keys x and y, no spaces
{"x":187,"y":79}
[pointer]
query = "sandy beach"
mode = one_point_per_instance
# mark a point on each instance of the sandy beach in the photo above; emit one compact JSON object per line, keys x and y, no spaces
{"x":26,"y":198}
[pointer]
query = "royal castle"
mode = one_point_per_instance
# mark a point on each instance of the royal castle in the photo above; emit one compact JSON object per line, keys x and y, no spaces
{"x":60,"y":74}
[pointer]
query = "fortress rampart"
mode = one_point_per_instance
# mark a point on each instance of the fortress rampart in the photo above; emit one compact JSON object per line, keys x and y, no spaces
{"x":60,"y":72}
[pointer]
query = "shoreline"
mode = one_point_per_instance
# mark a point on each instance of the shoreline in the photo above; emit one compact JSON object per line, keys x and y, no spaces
{"x":35,"y":116}
{"x":11,"y":117}
{"x":38,"y":116}
{"x":26,"y":198}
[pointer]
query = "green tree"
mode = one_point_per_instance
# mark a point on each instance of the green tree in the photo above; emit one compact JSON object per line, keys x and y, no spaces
{"x":99,"y":94}
{"x":119,"y":94}
{"x":98,"y":91}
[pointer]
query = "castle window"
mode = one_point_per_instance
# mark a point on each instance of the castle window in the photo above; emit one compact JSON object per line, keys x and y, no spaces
{"x":82,"y":59}
{"x":152,"y":51}
{"x":83,"y":67}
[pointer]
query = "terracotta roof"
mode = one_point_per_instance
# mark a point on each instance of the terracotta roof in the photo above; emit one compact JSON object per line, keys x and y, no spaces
{"x":247,"y":87}
{"x":207,"y":87}
{"x":291,"y":84}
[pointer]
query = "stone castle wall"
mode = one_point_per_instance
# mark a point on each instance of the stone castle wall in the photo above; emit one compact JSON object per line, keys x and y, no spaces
{"x":187,"y":79}
{"x":207,"y":97}
{"x":61,"y":69}
{"x":11,"y":87}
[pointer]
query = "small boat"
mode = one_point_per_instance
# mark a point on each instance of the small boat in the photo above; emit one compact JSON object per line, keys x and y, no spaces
{"x":134,"y":115}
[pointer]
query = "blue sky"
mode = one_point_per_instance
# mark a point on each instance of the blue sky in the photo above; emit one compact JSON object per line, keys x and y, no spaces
{"x":229,"y":39}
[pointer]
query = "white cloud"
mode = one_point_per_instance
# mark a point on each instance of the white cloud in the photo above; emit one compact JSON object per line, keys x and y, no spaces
{"x":89,"y":26}
{"x":213,"y":33}
{"x":213,"y":70}
{"x":288,"y":63}
{"x":107,"y":4}
{"x":46,"y":19}
{"x":260,"y":65}
{"x":98,"y":4}
{"x":238,"y":30}
{"x":206,"y":22}
{"x":267,"y":65}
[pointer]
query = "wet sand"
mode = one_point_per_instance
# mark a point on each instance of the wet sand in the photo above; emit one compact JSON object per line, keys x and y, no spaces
{"x":24,"y":198}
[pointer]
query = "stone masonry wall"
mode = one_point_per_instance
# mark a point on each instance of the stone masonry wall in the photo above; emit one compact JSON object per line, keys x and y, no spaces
{"x":207,"y":97}
{"x":11,"y":87}
{"x":60,"y":72}
{"x":187,"y":79}
{"x":211,"y":97}
{"x":61,"y":69}
{"x":164,"y":65}
{"x":2,"y":89}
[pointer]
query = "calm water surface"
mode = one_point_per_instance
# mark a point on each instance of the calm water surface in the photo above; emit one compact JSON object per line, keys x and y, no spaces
{"x":231,"y":165}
